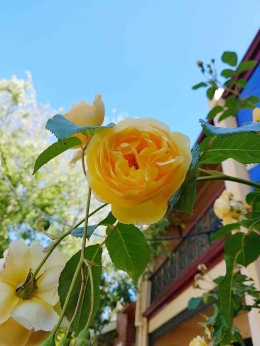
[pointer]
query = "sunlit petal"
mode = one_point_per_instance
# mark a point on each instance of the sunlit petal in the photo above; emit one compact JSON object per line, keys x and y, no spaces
{"x":35,"y":314}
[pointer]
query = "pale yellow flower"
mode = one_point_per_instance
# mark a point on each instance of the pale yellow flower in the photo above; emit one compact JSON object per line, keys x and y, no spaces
{"x":256,"y":114}
{"x":85,"y":114}
{"x":222,"y":205}
{"x":229,"y":210}
{"x":28,"y":314}
{"x":198,"y":341}
{"x":136,"y":166}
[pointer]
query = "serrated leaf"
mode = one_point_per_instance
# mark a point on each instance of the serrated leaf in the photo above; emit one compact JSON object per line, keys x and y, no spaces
{"x":184,"y":198}
{"x":128,"y":249}
{"x":228,"y":113}
{"x":227,"y":73}
{"x":92,"y":254}
{"x":231,"y":101}
{"x":214,"y":111}
{"x":53,"y":151}
{"x":251,"y":249}
{"x":229,"y":82}
{"x":246,"y":65}
{"x":193,"y":303}
{"x":241,"y":83}
{"x":225,"y":230}
{"x":253,"y":198}
{"x":243,"y":147}
{"x":249,"y":102}
{"x":211,"y":93}
{"x":109,"y":220}
{"x":199,"y":85}
{"x":63,"y":128}
{"x":211,"y":130}
{"x":250,"y":224}
{"x":233,"y":245}
{"x":229,"y":58}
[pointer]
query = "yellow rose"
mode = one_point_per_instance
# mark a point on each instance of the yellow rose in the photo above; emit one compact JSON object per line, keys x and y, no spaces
{"x":28,"y":315}
{"x":136,"y":166}
{"x":198,"y":341}
{"x":256,"y":114}
{"x":85,"y":114}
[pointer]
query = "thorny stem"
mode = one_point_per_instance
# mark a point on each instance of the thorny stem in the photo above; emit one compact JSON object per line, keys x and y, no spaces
{"x":91,"y":294}
{"x":82,"y":289}
{"x":84,"y":238}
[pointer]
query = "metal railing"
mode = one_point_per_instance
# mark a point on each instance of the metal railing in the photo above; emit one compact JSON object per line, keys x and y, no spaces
{"x":190,"y":249}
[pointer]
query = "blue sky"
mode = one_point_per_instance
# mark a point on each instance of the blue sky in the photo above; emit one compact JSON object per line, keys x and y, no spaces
{"x":139,"y":54}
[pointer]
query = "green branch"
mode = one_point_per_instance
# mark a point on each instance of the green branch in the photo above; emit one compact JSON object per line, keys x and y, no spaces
{"x":222,"y":176}
{"x":53,"y":246}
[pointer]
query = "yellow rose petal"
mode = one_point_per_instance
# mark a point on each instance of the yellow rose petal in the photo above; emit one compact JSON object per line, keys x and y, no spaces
{"x":17,"y":264}
{"x":35,"y":314}
{"x":48,"y":285}
{"x":8,"y":299}
{"x":140,"y":214}
{"x":37,"y":338}
{"x":13,"y":334}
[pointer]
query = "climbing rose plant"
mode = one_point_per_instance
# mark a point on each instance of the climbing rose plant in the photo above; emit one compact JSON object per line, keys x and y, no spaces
{"x":142,"y":170}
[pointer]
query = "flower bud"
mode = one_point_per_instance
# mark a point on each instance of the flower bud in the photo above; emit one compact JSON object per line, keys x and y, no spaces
{"x":64,"y":342}
{"x":202,"y":268}
{"x":83,"y":338}
{"x":85,"y":114}
{"x":199,"y":63}
{"x":42,"y":223}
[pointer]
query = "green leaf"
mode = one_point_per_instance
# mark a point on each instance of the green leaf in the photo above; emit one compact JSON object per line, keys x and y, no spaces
{"x":184,"y":198}
{"x":212,"y":319}
{"x":243,"y":147}
{"x":193,"y":303}
{"x":199,"y":85}
{"x":231,"y":112}
{"x":214,"y":111}
{"x":229,"y":82}
{"x":109,"y":220}
{"x":211,"y":130}
{"x":225,"y":230}
{"x":246,"y":65}
{"x":63,"y":128}
{"x":251,"y":249}
{"x":211,"y":93}
{"x":229,"y":58}
{"x":238,"y":338}
{"x":227,"y":73}
{"x":128,"y":249}
{"x":253,"y":198}
{"x":53,"y":151}
{"x":241,"y":83}
{"x":231,"y":101}
{"x":249,"y":102}
{"x":233,"y":245}
{"x":92,"y":254}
